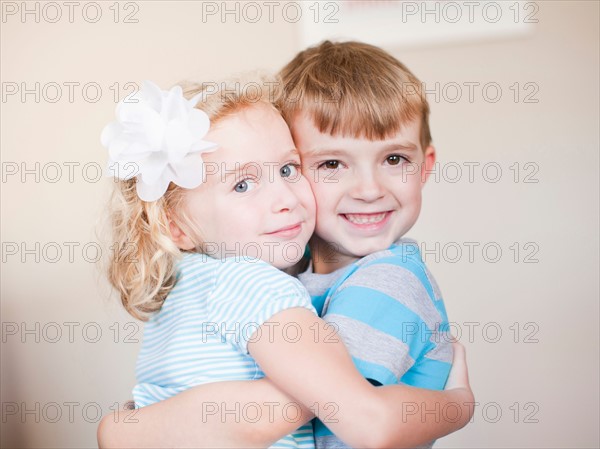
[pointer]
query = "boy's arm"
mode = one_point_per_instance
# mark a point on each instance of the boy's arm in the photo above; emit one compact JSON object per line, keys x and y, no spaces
{"x":243,"y":414}
{"x":315,"y":368}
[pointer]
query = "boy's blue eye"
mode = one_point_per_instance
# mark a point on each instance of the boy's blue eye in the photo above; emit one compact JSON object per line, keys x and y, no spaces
{"x":244,"y":186}
{"x":288,"y":170}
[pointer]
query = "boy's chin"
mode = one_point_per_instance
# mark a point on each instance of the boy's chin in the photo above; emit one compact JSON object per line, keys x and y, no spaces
{"x":363,"y":249}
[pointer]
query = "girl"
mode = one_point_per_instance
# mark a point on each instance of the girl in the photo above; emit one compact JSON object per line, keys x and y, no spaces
{"x":207,"y":227}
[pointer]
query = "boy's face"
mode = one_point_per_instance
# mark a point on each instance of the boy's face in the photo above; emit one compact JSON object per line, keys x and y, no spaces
{"x":368,"y":192}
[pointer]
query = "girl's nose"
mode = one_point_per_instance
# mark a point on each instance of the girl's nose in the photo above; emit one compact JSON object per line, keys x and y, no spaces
{"x":284,"y":197}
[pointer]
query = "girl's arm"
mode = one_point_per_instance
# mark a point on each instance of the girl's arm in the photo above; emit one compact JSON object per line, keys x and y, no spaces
{"x":393,"y":414}
{"x":296,"y":351}
{"x":242,"y":414}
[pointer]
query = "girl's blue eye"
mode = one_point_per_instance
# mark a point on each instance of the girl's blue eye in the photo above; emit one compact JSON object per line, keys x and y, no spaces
{"x":330,"y":165}
{"x":244,"y":186}
{"x":288,"y":170}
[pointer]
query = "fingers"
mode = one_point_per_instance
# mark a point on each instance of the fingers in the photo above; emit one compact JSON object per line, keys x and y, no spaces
{"x":459,"y":377}
{"x":460,"y":352}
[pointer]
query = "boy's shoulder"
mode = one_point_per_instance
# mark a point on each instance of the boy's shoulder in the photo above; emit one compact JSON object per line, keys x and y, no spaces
{"x":401,"y":252}
{"x":400,"y":265}
{"x":393,"y":292}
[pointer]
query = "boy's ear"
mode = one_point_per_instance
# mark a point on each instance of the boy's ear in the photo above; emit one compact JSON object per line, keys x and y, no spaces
{"x":428,"y":162}
{"x":179,"y":236}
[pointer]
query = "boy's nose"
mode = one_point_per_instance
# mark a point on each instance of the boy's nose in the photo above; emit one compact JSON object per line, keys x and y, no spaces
{"x":367,"y":187}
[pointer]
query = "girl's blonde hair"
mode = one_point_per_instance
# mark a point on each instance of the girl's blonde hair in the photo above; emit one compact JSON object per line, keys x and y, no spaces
{"x":142,"y":263}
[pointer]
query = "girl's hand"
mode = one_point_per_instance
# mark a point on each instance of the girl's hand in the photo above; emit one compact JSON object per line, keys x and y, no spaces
{"x":459,"y":375}
{"x":319,"y":372}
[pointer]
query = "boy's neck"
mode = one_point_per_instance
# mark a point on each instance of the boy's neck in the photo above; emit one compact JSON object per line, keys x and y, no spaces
{"x":325,"y":257}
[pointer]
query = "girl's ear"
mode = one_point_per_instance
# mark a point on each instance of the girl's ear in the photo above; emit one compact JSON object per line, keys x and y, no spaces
{"x":179,"y":236}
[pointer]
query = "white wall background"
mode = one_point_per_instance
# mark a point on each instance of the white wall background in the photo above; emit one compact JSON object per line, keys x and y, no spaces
{"x":545,"y":384}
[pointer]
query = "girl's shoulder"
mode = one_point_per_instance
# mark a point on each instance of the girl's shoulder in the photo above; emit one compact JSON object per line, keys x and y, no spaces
{"x":235,"y":270}
{"x":251,"y":271}
{"x":196,"y":263}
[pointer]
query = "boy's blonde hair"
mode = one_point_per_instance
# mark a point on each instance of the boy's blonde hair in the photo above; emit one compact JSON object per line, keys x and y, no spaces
{"x":142,"y":266}
{"x":353,"y":89}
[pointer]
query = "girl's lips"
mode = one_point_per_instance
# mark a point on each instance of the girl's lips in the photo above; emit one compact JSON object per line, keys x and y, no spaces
{"x":368,"y":222}
{"x":288,"y":232}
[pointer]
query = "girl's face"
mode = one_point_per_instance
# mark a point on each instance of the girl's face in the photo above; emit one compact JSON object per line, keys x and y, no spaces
{"x":255,"y":201}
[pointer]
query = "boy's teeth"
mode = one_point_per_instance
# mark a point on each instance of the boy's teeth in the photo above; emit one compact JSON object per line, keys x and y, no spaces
{"x":365,"y":218}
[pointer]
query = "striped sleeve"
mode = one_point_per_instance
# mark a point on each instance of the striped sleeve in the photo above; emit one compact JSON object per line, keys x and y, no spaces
{"x":248,"y":293}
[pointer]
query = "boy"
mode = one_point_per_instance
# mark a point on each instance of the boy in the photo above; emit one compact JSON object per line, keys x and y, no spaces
{"x":361,"y":126}
{"x":362,"y":137}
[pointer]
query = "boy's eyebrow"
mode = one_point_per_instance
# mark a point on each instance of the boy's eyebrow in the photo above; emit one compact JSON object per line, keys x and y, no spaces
{"x":337,"y":152}
{"x":400,"y":146}
{"x":328,"y":151}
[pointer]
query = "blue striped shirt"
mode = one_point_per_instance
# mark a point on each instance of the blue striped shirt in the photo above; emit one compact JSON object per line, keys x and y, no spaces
{"x":201,"y":333}
{"x":389,"y":312}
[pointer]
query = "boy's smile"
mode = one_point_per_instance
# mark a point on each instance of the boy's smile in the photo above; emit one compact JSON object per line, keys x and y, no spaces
{"x":368,"y":221}
{"x":368,"y":192}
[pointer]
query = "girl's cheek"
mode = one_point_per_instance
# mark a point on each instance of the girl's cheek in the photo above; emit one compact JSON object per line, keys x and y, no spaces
{"x":308,"y":195}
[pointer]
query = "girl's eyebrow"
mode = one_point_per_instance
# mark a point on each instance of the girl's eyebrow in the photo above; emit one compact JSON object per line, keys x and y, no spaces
{"x":293,"y":153}
{"x":238,"y":169}
{"x":246,"y":165}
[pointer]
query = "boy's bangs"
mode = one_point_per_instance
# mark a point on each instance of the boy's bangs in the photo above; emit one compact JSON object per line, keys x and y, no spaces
{"x":353,"y":89}
{"x":375,"y":120}
{"x":374,"y":110}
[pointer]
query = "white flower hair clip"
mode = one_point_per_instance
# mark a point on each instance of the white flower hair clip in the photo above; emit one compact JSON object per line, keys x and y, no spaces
{"x":160,"y":134}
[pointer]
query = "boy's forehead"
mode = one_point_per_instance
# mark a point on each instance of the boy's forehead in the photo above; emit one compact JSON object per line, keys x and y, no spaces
{"x":309,"y":139}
